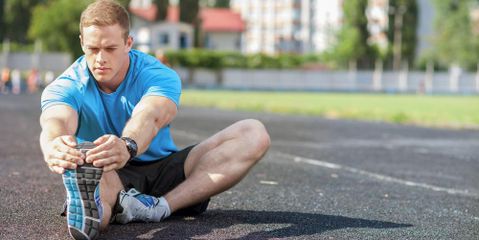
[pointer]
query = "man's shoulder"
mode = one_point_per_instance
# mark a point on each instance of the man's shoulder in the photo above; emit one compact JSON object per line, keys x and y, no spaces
{"x":148,"y":71}
{"x":77,"y":72}
{"x":144,"y":61}
{"x":73,"y":78}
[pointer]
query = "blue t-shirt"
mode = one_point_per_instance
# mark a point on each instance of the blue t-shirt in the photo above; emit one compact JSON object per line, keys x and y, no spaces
{"x":101,"y":113}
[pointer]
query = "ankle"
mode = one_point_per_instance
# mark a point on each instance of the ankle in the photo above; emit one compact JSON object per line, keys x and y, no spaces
{"x":163,"y":202}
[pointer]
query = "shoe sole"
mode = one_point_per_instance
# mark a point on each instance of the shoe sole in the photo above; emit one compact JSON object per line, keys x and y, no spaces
{"x":82,"y":212}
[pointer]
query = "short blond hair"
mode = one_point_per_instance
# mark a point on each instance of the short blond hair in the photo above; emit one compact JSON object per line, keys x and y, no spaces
{"x":105,"y":13}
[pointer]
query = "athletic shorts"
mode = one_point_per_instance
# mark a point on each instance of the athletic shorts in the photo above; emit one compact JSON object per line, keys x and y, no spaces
{"x":156,"y":178}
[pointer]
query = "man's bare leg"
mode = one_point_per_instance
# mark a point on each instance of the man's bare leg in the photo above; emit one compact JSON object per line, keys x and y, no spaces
{"x":211,"y":167}
{"x":110,"y":186}
{"x":219,"y":162}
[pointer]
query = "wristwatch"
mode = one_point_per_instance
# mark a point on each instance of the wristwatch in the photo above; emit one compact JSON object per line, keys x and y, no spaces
{"x":131,"y":146}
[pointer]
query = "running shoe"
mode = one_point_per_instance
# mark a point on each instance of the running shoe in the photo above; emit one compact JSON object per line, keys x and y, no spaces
{"x":134,"y":206}
{"x":84,"y":209}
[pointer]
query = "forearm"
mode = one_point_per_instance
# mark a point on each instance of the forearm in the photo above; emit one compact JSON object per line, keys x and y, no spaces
{"x":51,"y":129}
{"x":144,"y":126}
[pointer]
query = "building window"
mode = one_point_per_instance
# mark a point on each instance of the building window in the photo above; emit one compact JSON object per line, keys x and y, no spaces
{"x":164,"y":38}
{"x":207,"y":41}
{"x":183,"y":41}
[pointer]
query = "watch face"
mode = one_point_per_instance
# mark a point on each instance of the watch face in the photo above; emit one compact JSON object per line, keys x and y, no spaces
{"x":131,"y":146}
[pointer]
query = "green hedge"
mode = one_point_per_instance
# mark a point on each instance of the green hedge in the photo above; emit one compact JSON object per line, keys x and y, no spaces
{"x":199,"y":58}
{"x":18,"y":47}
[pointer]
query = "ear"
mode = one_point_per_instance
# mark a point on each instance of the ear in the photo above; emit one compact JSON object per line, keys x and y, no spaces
{"x":81,"y":43}
{"x":129,"y":43}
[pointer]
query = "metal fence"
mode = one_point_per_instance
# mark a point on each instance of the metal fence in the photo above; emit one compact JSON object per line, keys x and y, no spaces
{"x":295,"y":80}
{"x":56,"y":62}
{"x":344,"y":81}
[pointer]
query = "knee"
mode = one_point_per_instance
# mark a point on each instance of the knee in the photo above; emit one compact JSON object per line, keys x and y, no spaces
{"x":256,"y":134}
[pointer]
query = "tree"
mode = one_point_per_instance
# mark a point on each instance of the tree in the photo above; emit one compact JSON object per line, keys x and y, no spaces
{"x":352,"y":43}
{"x":162,"y":6}
{"x":454,"y":42}
{"x":58,"y":31}
{"x":124,"y":3}
{"x":215,"y":3}
{"x":189,"y":10}
{"x":406,"y":12}
{"x":2,"y":22}
{"x":222,"y":4}
{"x":17,"y":16}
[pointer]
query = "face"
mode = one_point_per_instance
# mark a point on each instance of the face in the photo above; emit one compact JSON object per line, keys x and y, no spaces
{"x":106,"y":53}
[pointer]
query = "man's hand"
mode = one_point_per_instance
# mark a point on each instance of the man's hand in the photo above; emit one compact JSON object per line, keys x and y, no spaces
{"x":111,"y":153}
{"x":61,"y":154}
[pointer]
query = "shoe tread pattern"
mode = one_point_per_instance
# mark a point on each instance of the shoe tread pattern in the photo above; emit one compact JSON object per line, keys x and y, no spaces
{"x":82,"y":212}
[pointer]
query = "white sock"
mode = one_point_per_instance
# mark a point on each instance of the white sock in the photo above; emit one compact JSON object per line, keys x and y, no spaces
{"x":165,"y":204}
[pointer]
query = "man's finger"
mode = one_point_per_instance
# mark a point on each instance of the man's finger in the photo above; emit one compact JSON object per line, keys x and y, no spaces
{"x":69,"y":140}
{"x":61,"y":163}
{"x":66,"y":157}
{"x":102,"y":139}
{"x":69,"y":150}
{"x":57,"y":169}
{"x":97,"y":156}
{"x":104,"y":143}
{"x":104,"y":161}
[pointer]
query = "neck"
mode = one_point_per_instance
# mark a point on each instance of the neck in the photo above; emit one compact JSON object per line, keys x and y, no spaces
{"x":111,"y":86}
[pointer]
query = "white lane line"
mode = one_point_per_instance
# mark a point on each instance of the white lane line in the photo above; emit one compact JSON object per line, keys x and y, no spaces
{"x":187,"y":135}
{"x":324,"y":164}
{"x":268,"y":182}
{"x":380,"y":176}
{"x":427,"y":143}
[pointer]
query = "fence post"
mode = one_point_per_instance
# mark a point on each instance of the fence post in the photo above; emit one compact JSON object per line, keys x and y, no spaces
{"x":402,"y":78}
{"x":377,"y":76}
{"x":36,"y":54}
{"x":5,"y":52}
{"x":477,"y":79}
{"x":454,"y":75}
{"x":352,"y":74}
{"x":428,"y":77}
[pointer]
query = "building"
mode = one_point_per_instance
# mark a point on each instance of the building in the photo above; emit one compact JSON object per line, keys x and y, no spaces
{"x":152,"y":36}
{"x":222,"y":28}
{"x":292,"y":26}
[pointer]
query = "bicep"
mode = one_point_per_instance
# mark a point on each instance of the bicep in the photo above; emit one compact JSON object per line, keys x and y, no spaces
{"x":60,"y":117}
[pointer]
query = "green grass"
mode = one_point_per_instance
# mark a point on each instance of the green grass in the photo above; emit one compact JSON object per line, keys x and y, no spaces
{"x":433,"y":111}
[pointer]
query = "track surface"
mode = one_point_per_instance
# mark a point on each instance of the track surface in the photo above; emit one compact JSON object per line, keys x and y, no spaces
{"x":321,"y":179}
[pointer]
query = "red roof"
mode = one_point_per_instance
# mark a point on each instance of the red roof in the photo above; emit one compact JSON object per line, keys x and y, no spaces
{"x":221,"y":20}
{"x":148,"y":13}
{"x":213,"y":19}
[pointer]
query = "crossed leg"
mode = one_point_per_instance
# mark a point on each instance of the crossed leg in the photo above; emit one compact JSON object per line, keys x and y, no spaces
{"x":212,"y":166}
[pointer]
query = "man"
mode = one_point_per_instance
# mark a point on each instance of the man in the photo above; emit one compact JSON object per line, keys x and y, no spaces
{"x":123,"y":101}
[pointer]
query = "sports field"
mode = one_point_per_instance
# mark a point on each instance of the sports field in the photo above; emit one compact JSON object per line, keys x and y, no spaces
{"x":433,"y":111}
{"x":321,"y":179}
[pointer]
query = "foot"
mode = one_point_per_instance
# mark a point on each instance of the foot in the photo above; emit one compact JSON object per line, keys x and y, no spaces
{"x":84,"y":210}
{"x":134,"y":206}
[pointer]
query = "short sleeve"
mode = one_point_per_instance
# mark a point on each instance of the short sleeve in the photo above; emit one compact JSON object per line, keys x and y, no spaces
{"x":162,"y":82}
{"x":61,"y":91}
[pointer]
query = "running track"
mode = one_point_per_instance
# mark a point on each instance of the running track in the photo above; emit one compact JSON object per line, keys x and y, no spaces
{"x":321,"y":179}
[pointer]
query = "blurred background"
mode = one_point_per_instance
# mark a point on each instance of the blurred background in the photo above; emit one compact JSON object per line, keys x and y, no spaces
{"x":401,"y":48}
